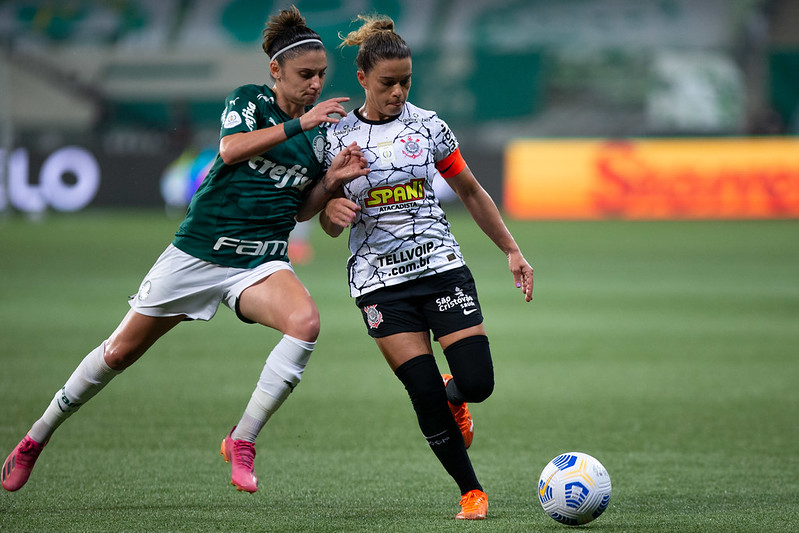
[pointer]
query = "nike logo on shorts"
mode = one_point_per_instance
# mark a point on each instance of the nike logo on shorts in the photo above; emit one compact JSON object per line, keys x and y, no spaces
{"x":469,"y":311}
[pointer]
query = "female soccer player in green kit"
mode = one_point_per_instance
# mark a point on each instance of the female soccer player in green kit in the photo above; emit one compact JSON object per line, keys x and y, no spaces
{"x":406,"y":271}
{"x":232,"y":246}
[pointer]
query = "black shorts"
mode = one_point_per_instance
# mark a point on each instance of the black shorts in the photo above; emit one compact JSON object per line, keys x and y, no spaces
{"x":441,"y":303}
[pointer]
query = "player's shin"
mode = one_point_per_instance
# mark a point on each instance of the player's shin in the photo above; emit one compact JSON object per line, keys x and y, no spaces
{"x":281,"y":373}
{"x":426,"y":389}
{"x":91,"y":375}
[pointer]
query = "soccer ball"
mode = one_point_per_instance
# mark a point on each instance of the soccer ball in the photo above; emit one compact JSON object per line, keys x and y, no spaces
{"x":574,"y":488}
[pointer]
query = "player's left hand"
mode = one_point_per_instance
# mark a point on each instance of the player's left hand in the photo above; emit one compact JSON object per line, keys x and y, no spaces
{"x":348,"y":164}
{"x":522,"y":274}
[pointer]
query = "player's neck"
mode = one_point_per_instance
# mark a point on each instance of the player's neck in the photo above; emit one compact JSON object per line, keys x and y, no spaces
{"x":369,"y":114}
{"x":292,"y":109}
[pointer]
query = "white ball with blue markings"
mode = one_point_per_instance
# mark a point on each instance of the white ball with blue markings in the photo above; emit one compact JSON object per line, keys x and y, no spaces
{"x":574,"y":488}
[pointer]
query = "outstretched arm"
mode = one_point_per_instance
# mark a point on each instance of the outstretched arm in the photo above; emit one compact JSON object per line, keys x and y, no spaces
{"x":242,"y":146}
{"x":485,"y":213}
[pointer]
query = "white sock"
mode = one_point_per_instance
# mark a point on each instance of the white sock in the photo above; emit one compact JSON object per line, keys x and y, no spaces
{"x":282,"y":372}
{"x":91,"y":375}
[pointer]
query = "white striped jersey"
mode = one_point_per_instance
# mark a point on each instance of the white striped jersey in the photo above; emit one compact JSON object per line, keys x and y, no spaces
{"x":401,"y":232}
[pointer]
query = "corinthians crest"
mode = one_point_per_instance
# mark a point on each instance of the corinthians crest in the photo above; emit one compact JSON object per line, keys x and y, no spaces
{"x":411,"y":147}
{"x":373,"y":317}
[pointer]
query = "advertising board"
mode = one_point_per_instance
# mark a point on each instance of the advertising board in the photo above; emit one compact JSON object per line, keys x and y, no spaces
{"x":697,"y":178}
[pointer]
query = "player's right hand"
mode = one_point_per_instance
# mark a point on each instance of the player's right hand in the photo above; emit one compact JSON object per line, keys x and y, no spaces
{"x":341,"y":211}
{"x":522,"y":273}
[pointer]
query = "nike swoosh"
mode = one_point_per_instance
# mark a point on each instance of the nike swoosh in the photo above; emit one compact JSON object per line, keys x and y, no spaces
{"x":469,"y":312}
{"x":542,"y":492}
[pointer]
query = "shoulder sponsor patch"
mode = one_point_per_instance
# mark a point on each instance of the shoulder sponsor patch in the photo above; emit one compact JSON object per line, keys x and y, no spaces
{"x":232,"y":120}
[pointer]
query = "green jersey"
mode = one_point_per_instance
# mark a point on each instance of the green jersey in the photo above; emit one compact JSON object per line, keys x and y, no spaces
{"x":242,"y":214}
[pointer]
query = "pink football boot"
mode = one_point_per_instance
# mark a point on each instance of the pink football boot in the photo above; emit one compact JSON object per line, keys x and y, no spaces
{"x":241,"y":455}
{"x":19,"y":464}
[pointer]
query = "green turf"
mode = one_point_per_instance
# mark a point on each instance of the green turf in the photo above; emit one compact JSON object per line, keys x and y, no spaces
{"x":668,"y":350}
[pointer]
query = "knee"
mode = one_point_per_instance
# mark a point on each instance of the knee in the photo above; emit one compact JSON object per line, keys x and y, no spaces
{"x":476,"y":388}
{"x":304,"y":324}
{"x":119,"y":355}
{"x":423,"y":383}
{"x":472,"y":369}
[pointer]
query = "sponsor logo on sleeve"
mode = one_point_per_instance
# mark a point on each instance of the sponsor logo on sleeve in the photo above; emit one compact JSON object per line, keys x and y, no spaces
{"x":249,"y":115}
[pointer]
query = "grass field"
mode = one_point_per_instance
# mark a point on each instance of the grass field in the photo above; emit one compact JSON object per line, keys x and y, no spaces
{"x":668,"y":350}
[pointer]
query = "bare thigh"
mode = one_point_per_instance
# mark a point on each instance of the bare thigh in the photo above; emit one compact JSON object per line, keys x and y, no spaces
{"x":402,"y":347}
{"x":282,"y":302}
{"x":134,"y":336}
{"x":455,"y":336}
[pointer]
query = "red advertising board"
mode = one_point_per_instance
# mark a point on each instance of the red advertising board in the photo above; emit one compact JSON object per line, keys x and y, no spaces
{"x":734,"y":178}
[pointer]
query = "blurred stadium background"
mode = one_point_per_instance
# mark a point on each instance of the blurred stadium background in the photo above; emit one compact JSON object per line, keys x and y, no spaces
{"x":101,"y":101}
{"x":666,"y":349}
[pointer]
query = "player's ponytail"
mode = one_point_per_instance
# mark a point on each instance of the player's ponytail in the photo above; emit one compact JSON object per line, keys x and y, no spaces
{"x":286,"y":35}
{"x":377,"y":40}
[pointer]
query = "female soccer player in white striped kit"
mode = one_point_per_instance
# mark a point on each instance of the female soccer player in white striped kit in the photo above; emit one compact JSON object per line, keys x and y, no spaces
{"x":232,"y":247}
{"x":406,"y":270}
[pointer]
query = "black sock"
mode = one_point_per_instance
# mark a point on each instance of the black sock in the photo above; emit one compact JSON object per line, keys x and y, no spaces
{"x":471,"y":368}
{"x":425,"y":387}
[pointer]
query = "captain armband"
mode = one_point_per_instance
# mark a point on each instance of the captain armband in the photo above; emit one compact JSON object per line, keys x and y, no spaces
{"x":451,"y":165}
